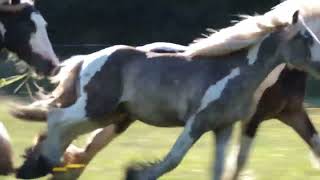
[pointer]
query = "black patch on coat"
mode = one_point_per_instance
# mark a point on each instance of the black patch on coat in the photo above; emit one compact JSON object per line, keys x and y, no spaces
{"x":105,"y":87}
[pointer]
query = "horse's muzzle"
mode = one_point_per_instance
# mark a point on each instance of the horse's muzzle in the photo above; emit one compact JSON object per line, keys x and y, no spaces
{"x":34,"y":168}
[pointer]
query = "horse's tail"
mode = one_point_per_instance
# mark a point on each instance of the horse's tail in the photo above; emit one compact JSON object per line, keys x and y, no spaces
{"x":31,"y":112}
{"x":6,"y":160}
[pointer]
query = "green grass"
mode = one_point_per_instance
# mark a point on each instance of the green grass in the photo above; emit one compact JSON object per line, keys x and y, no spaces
{"x":278,"y":152}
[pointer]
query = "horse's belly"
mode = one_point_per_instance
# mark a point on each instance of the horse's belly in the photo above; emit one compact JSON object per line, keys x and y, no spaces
{"x":158,"y":112}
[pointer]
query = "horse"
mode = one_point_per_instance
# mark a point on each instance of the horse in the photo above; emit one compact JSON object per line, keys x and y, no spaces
{"x":284,"y":97}
{"x":283,"y":101}
{"x":23,"y":32}
{"x":218,"y":81}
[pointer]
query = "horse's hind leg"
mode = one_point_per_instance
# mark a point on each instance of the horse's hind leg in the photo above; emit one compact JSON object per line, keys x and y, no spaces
{"x":300,"y":122}
{"x":190,"y":134}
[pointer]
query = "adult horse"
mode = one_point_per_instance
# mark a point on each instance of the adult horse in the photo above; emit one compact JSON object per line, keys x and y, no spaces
{"x":23,"y":32}
{"x":216,"y":82}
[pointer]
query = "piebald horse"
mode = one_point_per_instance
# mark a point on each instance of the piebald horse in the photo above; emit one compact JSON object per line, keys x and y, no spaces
{"x":214,"y":83}
{"x":23,"y":32}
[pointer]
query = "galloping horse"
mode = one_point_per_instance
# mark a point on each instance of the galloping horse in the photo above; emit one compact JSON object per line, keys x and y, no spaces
{"x":283,"y":100}
{"x":216,"y":82}
{"x":23,"y":32}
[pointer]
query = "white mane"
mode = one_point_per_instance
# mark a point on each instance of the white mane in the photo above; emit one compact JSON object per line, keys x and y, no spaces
{"x":252,"y":29}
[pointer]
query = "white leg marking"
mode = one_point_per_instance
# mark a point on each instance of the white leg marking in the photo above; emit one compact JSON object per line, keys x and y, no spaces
{"x":237,"y":158}
{"x":315,"y":154}
{"x":2,"y":29}
{"x":214,"y":91}
{"x":3,"y":132}
{"x":39,"y":40}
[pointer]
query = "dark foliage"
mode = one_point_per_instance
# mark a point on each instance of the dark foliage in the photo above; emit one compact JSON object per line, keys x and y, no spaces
{"x":140,"y":21}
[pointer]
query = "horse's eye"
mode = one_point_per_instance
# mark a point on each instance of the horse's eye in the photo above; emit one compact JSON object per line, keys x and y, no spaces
{"x":308,"y":37}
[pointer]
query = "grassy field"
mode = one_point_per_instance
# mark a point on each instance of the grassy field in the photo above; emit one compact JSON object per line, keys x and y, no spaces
{"x":278,"y":152}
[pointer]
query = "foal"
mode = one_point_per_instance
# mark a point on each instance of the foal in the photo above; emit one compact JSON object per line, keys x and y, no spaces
{"x":216,"y":82}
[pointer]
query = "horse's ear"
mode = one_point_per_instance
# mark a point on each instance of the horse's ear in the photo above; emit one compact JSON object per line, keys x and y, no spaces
{"x":295,"y":17}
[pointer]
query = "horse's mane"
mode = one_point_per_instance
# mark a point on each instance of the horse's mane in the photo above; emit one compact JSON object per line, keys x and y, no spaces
{"x":252,"y":29}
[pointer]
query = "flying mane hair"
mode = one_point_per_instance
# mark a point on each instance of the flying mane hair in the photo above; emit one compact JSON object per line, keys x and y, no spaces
{"x":253,"y":29}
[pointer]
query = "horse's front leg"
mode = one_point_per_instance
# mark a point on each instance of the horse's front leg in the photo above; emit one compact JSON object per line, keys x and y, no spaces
{"x":99,"y":140}
{"x":222,"y":140}
{"x":63,"y":126}
{"x":301,"y":123}
{"x":239,"y":156}
{"x":190,"y":134}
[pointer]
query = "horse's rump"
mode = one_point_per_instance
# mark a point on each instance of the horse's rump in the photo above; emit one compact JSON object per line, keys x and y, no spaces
{"x":64,"y":95}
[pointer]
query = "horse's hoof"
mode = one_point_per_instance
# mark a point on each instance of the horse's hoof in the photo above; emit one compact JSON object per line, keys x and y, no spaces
{"x":135,"y":173}
{"x":131,"y":174}
{"x":34,"y":168}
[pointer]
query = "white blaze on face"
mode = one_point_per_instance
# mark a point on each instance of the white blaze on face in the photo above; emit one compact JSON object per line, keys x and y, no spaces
{"x":214,"y":91}
{"x":39,"y":40}
{"x":2,"y":29}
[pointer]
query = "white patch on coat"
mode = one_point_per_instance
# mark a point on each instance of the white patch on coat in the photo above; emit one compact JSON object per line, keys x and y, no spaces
{"x":3,"y":132}
{"x":39,"y":40}
{"x":2,"y":29}
{"x":214,"y":91}
{"x":93,"y":64}
{"x":254,"y":52}
{"x":270,"y":80}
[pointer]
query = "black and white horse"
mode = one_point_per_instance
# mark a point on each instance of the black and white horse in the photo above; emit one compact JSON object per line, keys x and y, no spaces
{"x":23,"y":32}
{"x":216,"y":82}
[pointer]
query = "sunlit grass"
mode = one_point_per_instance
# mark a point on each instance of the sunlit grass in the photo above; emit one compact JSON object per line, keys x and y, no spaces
{"x":278,"y":152}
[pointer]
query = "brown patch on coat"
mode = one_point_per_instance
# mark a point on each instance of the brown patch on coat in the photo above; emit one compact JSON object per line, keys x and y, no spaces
{"x":66,"y":92}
